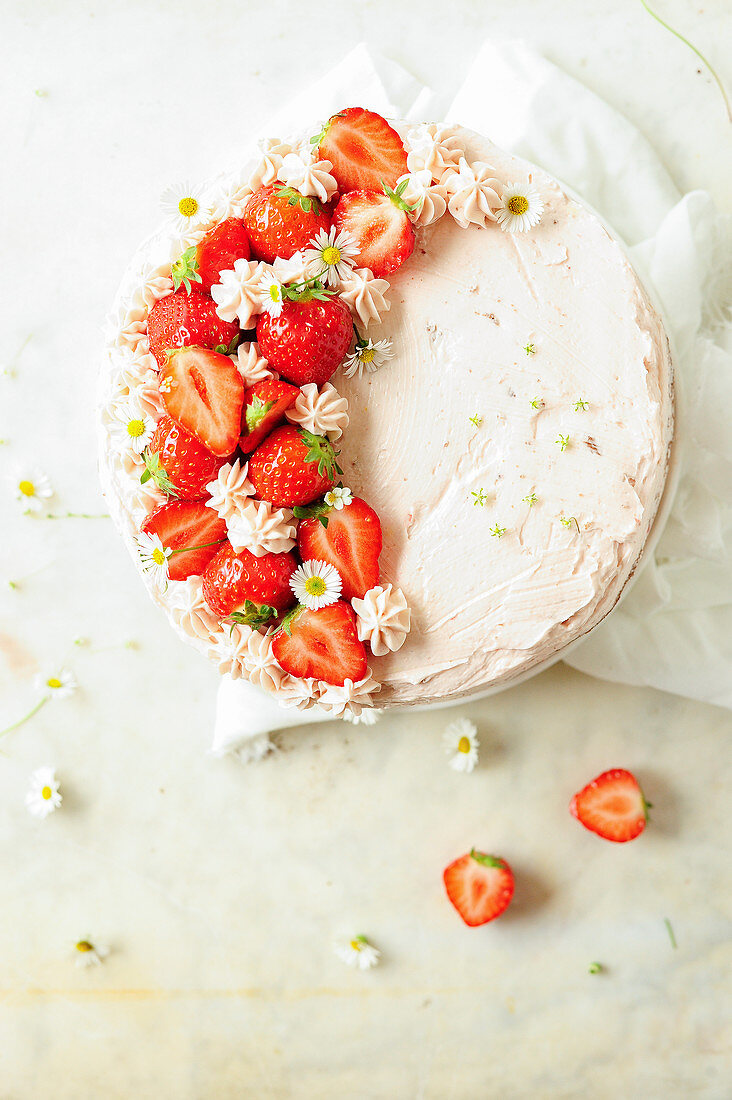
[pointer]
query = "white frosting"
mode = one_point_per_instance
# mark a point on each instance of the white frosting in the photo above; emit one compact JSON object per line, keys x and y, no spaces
{"x":297,"y":692}
{"x":252,"y":366}
{"x":475,"y":194}
{"x":428,"y":202}
{"x":350,"y":699}
{"x":434,"y":148}
{"x":293,"y":270}
{"x":266,"y":168}
{"x":229,"y":649}
{"x":238,"y":293}
{"x":260,"y":663}
{"x":261,"y":529}
{"x":383,"y":619}
{"x":365,"y":295}
{"x":191,"y":612}
{"x":323,"y":412}
{"x":229,"y":492}
{"x":310,"y":178}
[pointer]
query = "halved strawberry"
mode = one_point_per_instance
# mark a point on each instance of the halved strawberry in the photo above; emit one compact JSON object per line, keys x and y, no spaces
{"x":265,"y":405}
{"x":293,"y":467}
{"x":280,"y":222}
{"x":365,"y":151}
{"x":181,"y":320}
{"x":178,"y":463}
{"x":308,"y":341}
{"x":349,"y":539}
{"x":200,"y":265}
{"x":378,"y":222}
{"x":479,"y":886}
{"x":192,"y":531}
{"x":612,"y":806}
{"x":246,"y":589}
{"x":323,"y":644}
{"x":204,"y":393}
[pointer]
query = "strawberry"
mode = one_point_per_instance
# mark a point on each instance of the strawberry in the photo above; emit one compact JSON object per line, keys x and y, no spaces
{"x":200,"y":265}
{"x":292,"y":467}
{"x":612,"y":806}
{"x":265,"y":405}
{"x":180,"y":466}
{"x":479,"y":886}
{"x":309,"y":339}
{"x":246,"y":589}
{"x":364,"y":150}
{"x":280,"y":222}
{"x":349,"y":539}
{"x":180,"y":320}
{"x":378,"y":222}
{"x":204,"y":393}
{"x":187,"y":523}
{"x":323,"y":644}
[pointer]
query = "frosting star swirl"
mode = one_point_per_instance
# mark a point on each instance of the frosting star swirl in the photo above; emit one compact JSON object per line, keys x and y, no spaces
{"x":230,"y":490}
{"x":261,"y":529}
{"x":364,"y":294}
{"x":349,"y":699}
{"x":428,"y":202}
{"x":191,"y":612}
{"x":310,"y":178}
{"x":434,"y":148}
{"x":252,"y":366}
{"x":383,"y":619}
{"x":474,"y":193}
{"x":260,"y":662}
{"x":323,"y":412}
{"x":238,"y":293}
{"x":272,"y":154}
{"x":228,"y":652}
{"x":297,"y":692}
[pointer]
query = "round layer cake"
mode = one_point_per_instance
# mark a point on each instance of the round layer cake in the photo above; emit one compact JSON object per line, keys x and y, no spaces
{"x":515,"y":446}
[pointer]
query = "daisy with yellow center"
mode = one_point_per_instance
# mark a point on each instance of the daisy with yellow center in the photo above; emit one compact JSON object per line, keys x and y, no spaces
{"x":330,"y":256}
{"x":31,"y":489}
{"x":43,"y":795}
{"x":521,"y":208}
{"x":357,"y":951}
{"x":57,"y":685}
{"x":270,"y":289}
{"x":460,"y":742}
{"x":132,"y":429}
{"x":367,"y":356}
{"x":316,"y":584}
{"x":89,"y":954}
{"x":155,"y":558}
{"x":184,"y":205}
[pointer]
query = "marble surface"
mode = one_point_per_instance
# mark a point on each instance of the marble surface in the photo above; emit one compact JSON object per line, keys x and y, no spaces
{"x":219,"y":889}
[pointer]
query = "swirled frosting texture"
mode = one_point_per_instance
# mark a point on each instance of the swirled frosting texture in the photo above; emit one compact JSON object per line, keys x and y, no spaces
{"x":365,"y":295}
{"x":475,"y":193}
{"x":383,"y":619}
{"x":261,"y":529}
{"x":323,"y":412}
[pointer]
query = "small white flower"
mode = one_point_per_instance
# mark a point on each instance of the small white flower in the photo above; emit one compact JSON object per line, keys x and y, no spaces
{"x":316,"y":584}
{"x":357,"y":952}
{"x":43,"y":795}
{"x":166,"y":383}
{"x":155,"y":558}
{"x":338,"y":498}
{"x":59,"y":685}
{"x":367,"y":357}
{"x":330,"y":256}
{"x":521,"y":208}
{"x":32,"y":489}
{"x":183,"y":204}
{"x":270,"y":289}
{"x":132,"y":429}
{"x":460,"y":742}
{"x":89,"y":954}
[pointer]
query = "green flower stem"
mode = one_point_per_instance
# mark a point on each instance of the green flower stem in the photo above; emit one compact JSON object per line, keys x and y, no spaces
{"x":21,"y":721}
{"x":203,"y":546}
{"x":78,"y":515}
{"x":670,"y":931}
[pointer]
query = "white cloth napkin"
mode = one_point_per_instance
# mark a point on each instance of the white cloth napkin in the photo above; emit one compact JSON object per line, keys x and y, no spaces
{"x":674,"y":628}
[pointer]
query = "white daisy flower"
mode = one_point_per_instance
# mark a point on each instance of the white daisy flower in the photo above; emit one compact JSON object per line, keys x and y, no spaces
{"x":59,"y":685}
{"x":132,"y":429}
{"x":357,"y":952}
{"x":367,"y":357}
{"x":43,"y":795}
{"x":521,"y":208}
{"x":330,"y":256}
{"x":338,"y":498}
{"x":89,"y":954}
{"x":316,"y":584}
{"x":270,"y":289}
{"x":461,"y":743}
{"x":183,"y":204}
{"x":32,"y":489}
{"x":155,"y":558}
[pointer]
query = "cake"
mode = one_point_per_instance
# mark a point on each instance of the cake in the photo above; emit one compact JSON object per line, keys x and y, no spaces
{"x":474,"y":505}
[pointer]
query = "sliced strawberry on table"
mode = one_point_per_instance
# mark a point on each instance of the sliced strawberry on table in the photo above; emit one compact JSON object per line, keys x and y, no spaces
{"x":308,"y":341}
{"x":178,"y":463}
{"x":378,"y":222}
{"x":265,"y":405}
{"x":204,"y":393}
{"x":323,"y":644}
{"x":199,"y":267}
{"x":349,"y":539}
{"x":365,"y":151}
{"x":181,"y":320}
{"x":612,"y":806}
{"x":280,"y":222}
{"x":247,"y":589}
{"x":479,"y":886}
{"x":192,"y":531}
{"x":293,"y":467}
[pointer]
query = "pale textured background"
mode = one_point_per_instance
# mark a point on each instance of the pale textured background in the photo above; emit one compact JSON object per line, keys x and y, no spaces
{"x":219,"y":889}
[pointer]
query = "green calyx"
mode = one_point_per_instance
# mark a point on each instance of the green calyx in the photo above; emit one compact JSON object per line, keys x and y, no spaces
{"x":396,"y":196}
{"x":222,"y":349}
{"x":316,"y":139}
{"x":321,"y":450}
{"x":256,"y":412}
{"x":486,"y":861}
{"x":312,"y":290}
{"x":292,"y":615}
{"x":158,"y":473}
{"x":318,"y":510}
{"x":185,"y":269}
{"x":306,"y":203}
{"x":254,"y":614}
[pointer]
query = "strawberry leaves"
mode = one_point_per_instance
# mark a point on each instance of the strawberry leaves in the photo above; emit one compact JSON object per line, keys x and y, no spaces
{"x":185,"y":269}
{"x":256,"y":412}
{"x":154,"y":469}
{"x":321,"y":450}
{"x":254,"y":615}
{"x":396,"y":196}
{"x":306,"y":203}
{"x":222,"y":349}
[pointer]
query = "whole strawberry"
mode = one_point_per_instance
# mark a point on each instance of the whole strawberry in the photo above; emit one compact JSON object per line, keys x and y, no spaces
{"x":178,"y":463}
{"x":309,"y":339}
{"x":180,"y":320}
{"x":198,"y":268}
{"x":293,"y":467}
{"x":247,"y":589}
{"x":280,"y":222}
